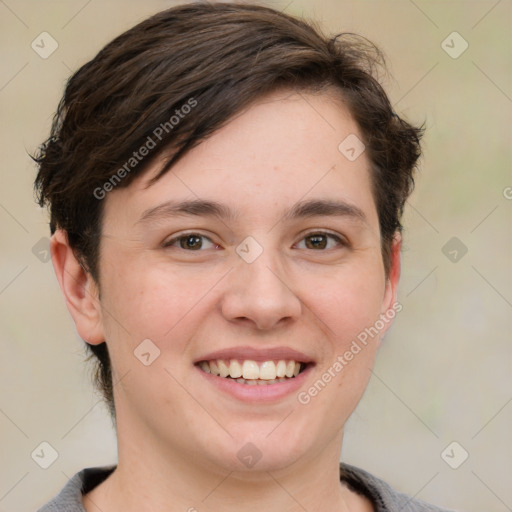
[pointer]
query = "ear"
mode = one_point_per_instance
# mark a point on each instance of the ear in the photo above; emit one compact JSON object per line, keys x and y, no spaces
{"x":79,"y":288}
{"x":390,"y":304}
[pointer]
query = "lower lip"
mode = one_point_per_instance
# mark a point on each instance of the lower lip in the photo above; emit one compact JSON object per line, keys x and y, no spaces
{"x":257,"y":393}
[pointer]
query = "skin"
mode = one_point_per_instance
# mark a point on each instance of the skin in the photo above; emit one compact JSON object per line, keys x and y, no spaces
{"x":179,"y":435}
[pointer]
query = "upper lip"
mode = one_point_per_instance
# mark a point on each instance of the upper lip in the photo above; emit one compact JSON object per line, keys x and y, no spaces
{"x":256,"y":354}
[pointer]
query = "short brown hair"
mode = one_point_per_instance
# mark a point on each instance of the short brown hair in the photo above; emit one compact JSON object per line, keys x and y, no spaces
{"x":216,"y":58}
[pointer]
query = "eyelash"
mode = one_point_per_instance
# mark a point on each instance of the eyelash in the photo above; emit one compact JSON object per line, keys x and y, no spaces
{"x":339,"y":240}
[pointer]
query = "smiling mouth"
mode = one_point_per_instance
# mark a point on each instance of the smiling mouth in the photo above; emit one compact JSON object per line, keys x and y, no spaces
{"x":253,"y":373}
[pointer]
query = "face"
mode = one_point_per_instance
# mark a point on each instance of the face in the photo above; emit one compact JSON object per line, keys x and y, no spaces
{"x":256,"y":257}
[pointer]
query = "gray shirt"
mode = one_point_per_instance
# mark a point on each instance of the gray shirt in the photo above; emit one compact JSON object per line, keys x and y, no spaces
{"x":384,"y":498}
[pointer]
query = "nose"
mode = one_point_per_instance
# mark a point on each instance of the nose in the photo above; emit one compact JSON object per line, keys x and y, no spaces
{"x":259,"y":295}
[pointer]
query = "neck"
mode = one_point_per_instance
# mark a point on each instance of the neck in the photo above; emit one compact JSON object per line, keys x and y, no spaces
{"x":151,"y":478}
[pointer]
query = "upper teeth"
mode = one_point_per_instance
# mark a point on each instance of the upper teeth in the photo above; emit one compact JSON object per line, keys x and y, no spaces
{"x":267,"y":370}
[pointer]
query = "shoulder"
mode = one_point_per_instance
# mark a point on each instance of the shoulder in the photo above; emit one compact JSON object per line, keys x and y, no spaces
{"x":379,"y":492}
{"x":383,"y":496}
{"x":69,"y":498}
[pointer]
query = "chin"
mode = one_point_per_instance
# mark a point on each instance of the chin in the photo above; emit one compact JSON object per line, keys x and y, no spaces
{"x":249,"y":453}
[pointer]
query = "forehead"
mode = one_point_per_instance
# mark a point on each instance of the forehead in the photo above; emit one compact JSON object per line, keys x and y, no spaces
{"x":286,"y":147}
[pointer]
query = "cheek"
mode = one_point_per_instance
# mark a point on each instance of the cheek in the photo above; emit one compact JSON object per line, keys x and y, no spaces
{"x":155,"y":311}
{"x":348,"y":313}
{"x":347,"y":302}
{"x":155,"y":301}
{"x":348,"y":305}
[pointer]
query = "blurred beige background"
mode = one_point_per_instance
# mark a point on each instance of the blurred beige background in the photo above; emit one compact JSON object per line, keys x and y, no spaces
{"x":444,"y":371}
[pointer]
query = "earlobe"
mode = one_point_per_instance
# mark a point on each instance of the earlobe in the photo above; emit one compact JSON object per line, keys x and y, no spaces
{"x":394,"y":272}
{"x":79,"y":289}
{"x":391,"y":290}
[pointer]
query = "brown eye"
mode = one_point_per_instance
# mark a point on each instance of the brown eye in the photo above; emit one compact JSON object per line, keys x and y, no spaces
{"x":320,"y":241}
{"x":190,"y":242}
{"x":316,"y":242}
{"x":193,"y":242}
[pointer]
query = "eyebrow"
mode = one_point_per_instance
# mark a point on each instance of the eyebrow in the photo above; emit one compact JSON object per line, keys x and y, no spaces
{"x":302,"y":209}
